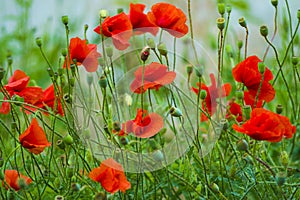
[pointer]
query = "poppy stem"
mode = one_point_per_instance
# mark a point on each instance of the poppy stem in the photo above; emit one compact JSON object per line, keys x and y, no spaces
{"x":246,"y":41}
{"x":274,"y":33}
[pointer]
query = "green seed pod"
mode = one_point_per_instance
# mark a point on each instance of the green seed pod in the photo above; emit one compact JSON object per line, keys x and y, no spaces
{"x":68,"y":139}
{"x":120,"y":10}
{"x":175,"y":112}
{"x":60,"y":144}
{"x":203,"y":94}
{"x":229,"y":51}
{"x":151,"y":43}
{"x":284,"y":158}
{"x":274,"y":3}
{"x":189,"y":69}
{"x":65,"y":19}
{"x":279,"y":109}
{"x":242,"y":22}
{"x":221,"y":23}
{"x":221,"y":8}
{"x":38,"y":41}
{"x":162,"y":49}
{"x":102,"y":81}
{"x":68,"y":98}
{"x":168,"y":136}
{"x":298,"y":14}
{"x":103,"y":13}
{"x":264,"y":31}
{"x":242,"y":145}
{"x":59,"y":197}
{"x":75,"y":187}
{"x":239,"y":94}
{"x":215,"y":188}
{"x":199,"y":71}
{"x":64,"y":52}
{"x":228,"y":9}
{"x":240,"y":44}
{"x":109,"y":51}
{"x":295,"y":60}
{"x":145,"y":53}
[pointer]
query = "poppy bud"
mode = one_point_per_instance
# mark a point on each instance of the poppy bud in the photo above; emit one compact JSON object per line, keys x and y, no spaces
{"x":264,"y":31}
{"x":65,"y":19}
{"x":89,"y":79}
{"x":261,"y":67}
{"x":103,"y":13}
{"x":151,"y":43}
{"x":203,"y":94}
{"x":199,"y":71}
{"x":189,"y":69}
{"x":242,"y":22}
{"x":242,"y":145}
{"x":59,"y":197}
{"x":85,"y":27}
{"x":295,"y":60}
{"x":60,"y":144}
{"x":284,"y":158}
{"x":239,"y":94}
{"x":158,"y":155}
{"x":75,"y":187}
{"x":162,"y":49}
{"x":246,"y":112}
{"x":229,"y":51}
{"x":100,"y":196}
{"x":215,"y":188}
{"x":175,"y":112}
{"x":102,"y":81}
{"x":145,"y":53}
{"x":120,"y":10}
{"x":64,"y":52}
{"x":240,"y":44}
{"x":109,"y":51}
{"x":280,"y":178}
{"x":1,"y":162}
{"x":50,"y":72}
{"x":68,"y":98}
{"x":221,"y":8}
{"x":298,"y":14}
{"x":116,"y":126}
{"x":168,"y":136}
{"x":228,"y":9}
{"x":279,"y":109}
{"x":2,"y":72}
{"x":224,"y":124}
{"x":68,"y":139}
{"x":274,"y":3}
{"x":38,"y":41}
{"x":221,"y":23}
{"x":124,"y":140}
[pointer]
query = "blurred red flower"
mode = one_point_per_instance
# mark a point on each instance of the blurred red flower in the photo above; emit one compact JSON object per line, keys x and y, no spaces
{"x":144,"y":125}
{"x":119,"y":28}
{"x":111,"y":176}
{"x":139,"y":20}
{"x":85,"y":54}
{"x":246,"y":72}
{"x":155,"y":76}
{"x":266,"y":125}
{"x":34,"y":138}
{"x":17,"y":85}
{"x":210,"y":103}
{"x":169,"y":18}
{"x":12,"y":178}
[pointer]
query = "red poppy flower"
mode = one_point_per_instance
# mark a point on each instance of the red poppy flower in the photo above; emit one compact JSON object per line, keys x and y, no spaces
{"x":50,"y":100}
{"x":236,"y":111}
{"x":210,"y":103}
{"x":266,"y":125}
{"x":168,"y":17}
{"x":144,"y":125}
{"x":12,"y":178}
{"x":17,"y":85}
{"x":34,"y":138}
{"x":247,"y":73}
{"x":119,"y":28}
{"x":139,"y":20}
{"x":155,"y":76}
{"x":111,"y":176}
{"x":85,"y":54}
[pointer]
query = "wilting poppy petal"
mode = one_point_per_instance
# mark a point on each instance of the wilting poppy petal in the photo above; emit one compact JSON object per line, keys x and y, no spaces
{"x":139,"y":20}
{"x":155,"y":76}
{"x":168,"y":17}
{"x":111,"y":176}
{"x":119,"y":28}
{"x":266,"y":125}
{"x":34,"y":138}
{"x":12,"y":178}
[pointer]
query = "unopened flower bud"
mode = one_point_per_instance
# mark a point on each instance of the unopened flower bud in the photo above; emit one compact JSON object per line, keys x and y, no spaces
{"x":229,"y":51}
{"x":102,"y":81}
{"x":75,"y":187}
{"x":189,"y":69}
{"x":221,"y":8}
{"x":264,"y":31}
{"x":64,"y":52}
{"x":246,"y":112}
{"x":120,"y":10}
{"x":145,"y":53}
{"x":168,"y":136}
{"x":215,"y":188}
{"x":298,"y":14}
{"x":175,"y":112}
{"x":124,"y":140}
{"x":239,"y":94}
{"x":65,"y":19}
{"x":228,"y":9}
{"x":280,"y":178}
{"x":109,"y":51}
{"x":38,"y":41}
{"x":261,"y":67}
{"x":68,"y":139}
{"x":203,"y":94}
{"x":199,"y":71}
{"x":103,"y":13}
{"x":151,"y":43}
{"x":242,"y":145}
{"x":162,"y":49}
{"x":60,"y":144}
{"x":279,"y":109}
{"x":242,"y":22}
{"x":221,"y":23}
{"x":86,"y":27}
{"x":240,"y":44}
{"x":274,"y":3}
{"x":295,"y":60}
{"x":284,"y":158}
